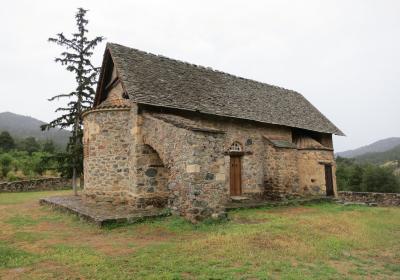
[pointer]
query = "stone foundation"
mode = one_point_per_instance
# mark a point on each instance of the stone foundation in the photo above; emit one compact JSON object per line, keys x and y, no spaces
{"x":102,"y":214}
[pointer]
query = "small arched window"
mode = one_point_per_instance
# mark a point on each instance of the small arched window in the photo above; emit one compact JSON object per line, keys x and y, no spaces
{"x":235,"y":147}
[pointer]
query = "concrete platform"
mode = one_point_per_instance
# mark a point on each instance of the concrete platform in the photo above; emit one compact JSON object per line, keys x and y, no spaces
{"x":105,"y":214}
{"x":101,"y":214}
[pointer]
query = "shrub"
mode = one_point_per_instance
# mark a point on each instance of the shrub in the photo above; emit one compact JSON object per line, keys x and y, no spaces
{"x":353,"y":176}
{"x":6,"y":141}
{"x":5,"y":163}
{"x":379,"y":179}
{"x":11,"y":176}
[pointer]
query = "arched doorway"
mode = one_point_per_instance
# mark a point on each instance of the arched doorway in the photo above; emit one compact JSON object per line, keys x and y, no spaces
{"x":235,"y":153}
{"x":153,"y":171}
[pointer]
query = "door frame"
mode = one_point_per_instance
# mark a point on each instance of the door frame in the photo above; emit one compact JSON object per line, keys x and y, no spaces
{"x":235,"y":178}
{"x":328,"y":172}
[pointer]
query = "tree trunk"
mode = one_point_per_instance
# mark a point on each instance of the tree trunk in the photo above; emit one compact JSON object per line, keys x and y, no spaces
{"x":74,"y":175}
{"x":74,"y":181}
{"x":81,"y":182}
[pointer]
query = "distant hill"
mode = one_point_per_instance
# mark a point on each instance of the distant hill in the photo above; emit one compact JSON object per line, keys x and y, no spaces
{"x":376,"y":147}
{"x":23,"y":126}
{"x":389,"y":156}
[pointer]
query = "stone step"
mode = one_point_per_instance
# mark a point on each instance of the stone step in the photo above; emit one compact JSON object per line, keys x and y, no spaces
{"x":347,"y":203}
{"x":239,"y":198}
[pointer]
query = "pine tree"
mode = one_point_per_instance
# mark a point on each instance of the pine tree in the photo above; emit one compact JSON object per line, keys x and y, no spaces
{"x":76,"y":59}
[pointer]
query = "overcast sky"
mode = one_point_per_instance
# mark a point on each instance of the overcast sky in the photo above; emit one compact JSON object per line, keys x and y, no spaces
{"x":343,"y":56}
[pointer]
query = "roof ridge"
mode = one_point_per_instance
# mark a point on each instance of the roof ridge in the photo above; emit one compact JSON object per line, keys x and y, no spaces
{"x":207,"y":68}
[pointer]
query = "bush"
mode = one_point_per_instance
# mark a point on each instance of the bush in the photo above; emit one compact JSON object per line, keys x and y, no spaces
{"x":6,"y":141}
{"x":353,"y":176}
{"x":30,"y":145}
{"x":31,"y":166}
{"x":379,"y":179}
{"x":11,"y":176}
{"x":5,"y":163}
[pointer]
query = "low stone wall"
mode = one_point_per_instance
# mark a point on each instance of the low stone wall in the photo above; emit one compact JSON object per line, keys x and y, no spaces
{"x":45,"y":184}
{"x":384,"y":199}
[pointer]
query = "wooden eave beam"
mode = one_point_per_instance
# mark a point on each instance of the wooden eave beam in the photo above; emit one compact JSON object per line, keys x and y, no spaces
{"x":103,"y":76}
{"x":111,"y":84}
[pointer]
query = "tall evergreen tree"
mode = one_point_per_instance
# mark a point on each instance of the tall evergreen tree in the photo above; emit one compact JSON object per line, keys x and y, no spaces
{"x":76,"y":59}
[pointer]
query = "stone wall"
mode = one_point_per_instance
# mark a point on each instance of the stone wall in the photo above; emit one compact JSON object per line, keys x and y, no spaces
{"x":151,"y":170}
{"x":281,"y":179}
{"x":196,"y":171}
{"x":311,"y":170}
{"x":251,"y":136}
{"x":383,"y":199}
{"x":195,"y":152}
{"x":147,"y":158}
{"x":106,"y":151}
{"x":45,"y":184}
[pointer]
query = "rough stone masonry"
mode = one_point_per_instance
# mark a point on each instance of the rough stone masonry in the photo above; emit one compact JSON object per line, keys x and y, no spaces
{"x":169,"y":134}
{"x":43,"y":184}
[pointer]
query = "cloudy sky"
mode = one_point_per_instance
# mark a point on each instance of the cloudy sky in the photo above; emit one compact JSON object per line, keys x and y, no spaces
{"x":344,"y":56}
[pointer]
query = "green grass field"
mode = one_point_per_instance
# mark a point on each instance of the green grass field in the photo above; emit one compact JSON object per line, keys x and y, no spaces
{"x":324,"y":241}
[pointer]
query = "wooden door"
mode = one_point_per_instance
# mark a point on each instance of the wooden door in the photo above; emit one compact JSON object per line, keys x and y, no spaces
{"x":329,"y":180}
{"x":235,"y":176}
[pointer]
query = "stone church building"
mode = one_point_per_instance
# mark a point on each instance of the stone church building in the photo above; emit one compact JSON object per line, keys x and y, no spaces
{"x":166,"y":133}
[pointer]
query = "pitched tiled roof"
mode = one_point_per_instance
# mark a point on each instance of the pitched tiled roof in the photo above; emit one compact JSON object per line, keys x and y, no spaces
{"x":160,"y":81}
{"x":184,"y":123}
{"x":283,"y":144}
{"x":305,"y":142}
